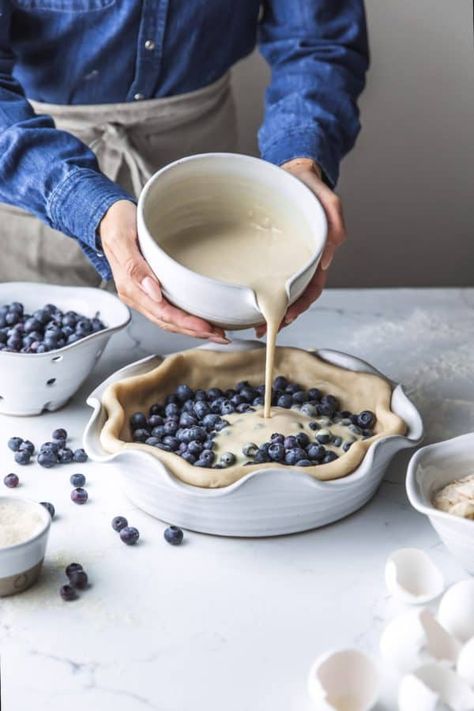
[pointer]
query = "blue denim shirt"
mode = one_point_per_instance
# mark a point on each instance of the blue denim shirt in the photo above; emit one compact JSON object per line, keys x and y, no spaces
{"x":102,"y":51}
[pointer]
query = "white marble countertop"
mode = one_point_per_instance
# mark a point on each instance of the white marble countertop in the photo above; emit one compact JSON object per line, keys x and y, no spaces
{"x":227,"y":624}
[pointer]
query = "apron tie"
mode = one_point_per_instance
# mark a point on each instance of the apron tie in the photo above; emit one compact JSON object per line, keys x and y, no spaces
{"x":113,"y":147}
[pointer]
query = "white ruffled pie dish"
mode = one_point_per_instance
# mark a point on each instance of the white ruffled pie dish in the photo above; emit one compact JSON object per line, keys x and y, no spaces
{"x":431,"y":468}
{"x":269,"y":502}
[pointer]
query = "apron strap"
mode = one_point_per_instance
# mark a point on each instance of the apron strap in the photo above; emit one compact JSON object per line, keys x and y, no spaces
{"x":113,"y":147}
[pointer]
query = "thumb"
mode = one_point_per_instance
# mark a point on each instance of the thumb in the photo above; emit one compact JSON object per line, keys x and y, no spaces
{"x":151,"y":288}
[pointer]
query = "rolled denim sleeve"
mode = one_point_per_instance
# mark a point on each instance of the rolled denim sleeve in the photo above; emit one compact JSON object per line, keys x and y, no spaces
{"x":318,"y":53}
{"x":46,"y":171}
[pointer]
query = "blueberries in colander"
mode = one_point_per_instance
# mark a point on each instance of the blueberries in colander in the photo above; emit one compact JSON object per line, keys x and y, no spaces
{"x":47,"y":329}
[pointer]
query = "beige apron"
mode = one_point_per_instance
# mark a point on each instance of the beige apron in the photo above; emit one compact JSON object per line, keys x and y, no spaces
{"x":131,"y":142}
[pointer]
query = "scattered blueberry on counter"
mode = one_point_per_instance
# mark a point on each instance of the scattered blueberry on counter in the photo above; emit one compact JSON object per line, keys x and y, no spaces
{"x":77,"y":480}
{"x":79,"y":496}
{"x":47,"y":329}
{"x":50,"y":453}
{"x":173,"y":535}
{"x":187,"y":421}
{"x":129,"y":535}
{"x":49,"y":507}
{"x":78,"y":580}
{"x":11,"y":481}
{"x":119,"y":522}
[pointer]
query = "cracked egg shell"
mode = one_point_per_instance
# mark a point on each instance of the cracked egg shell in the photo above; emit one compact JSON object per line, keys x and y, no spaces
{"x":412,"y":577}
{"x":465,"y":665}
{"x":434,"y":687}
{"x":415,"y":638}
{"x":456,"y":610}
{"x":343,"y":680}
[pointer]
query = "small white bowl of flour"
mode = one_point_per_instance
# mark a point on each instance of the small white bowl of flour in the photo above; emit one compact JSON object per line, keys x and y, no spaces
{"x":24,"y":529}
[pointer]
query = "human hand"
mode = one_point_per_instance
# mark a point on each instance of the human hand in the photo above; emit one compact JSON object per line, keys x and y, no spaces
{"x":310,"y":174}
{"x":136,"y":284}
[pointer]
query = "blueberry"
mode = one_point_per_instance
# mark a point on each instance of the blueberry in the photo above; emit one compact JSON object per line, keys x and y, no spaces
{"x":202,"y":409}
{"x":66,"y":455}
{"x":227,"y":408}
{"x":129,"y":535}
{"x":206,"y":458}
{"x":324,"y":436}
{"x":258,"y":401}
{"x":210,"y":420}
{"x":314,"y":394}
{"x":243,"y":407}
{"x":208,"y":444}
{"x":158,"y":432}
{"x":294,"y":455}
{"x":171,"y":442}
{"x":154,"y":421}
{"x":280,"y":383}
{"x":261,"y":456}
{"x":187,"y":420}
{"x":59,"y":434}
{"x":172,"y":409}
{"x":276,"y":451}
{"x":227,"y":459}
{"x":67,"y":593}
{"x":79,"y":579}
{"x":49,"y":507}
{"x":302,"y":439}
{"x":27,"y":446}
{"x":77,"y":480}
{"x":137,"y":421}
{"x":188,"y":457}
{"x":14,"y":443}
{"x":156,"y":409}
{"x":47,"y":459}
{"x":119,"y":522}
{"x":195,"y":448}
{"x":250,"y":449}
{"x":11,"y":481}
{"x":140,"y":435}
{"x":164,"y":447}
{"x":49,"y":447}
{"x":314,"y":426}
{"x":337,"y":441}
{"x":200,"y":395}
{"x":326,"y":409}
{"x":315,"y":451}
{"x":184,"y":393}
{"x":355,"y":429}
{"x":285,"y":400}
{"x":72,"y":568}
{"x":170,"y":427}
{"x":304,"y":463}
{"x":152,"y":441}
{"x":292,"y":388}
{"x":366,"y":419}
{"x":173,"y":535}
{"x":347,"y":445}
{"x":290,"y":442}
{"x":214,"y":393}
{"x":330,"y":457}
{"x":277,"y":438}
{"x":222,"y":424}
{"x":22,"y":457}
{"x":79,"y":495}
{"x":80,"y":456}
{"x":308,"y":410}
{"x":300,"y":397}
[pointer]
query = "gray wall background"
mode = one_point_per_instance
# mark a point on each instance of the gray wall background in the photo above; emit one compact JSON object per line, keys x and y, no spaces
{"x":408,"y":187}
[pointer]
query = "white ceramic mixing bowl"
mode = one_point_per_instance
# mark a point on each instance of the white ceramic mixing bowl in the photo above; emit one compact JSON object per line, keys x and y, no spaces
{"x":269,"y":502}
{"x":31,"y":383}
{"x":174,"y":198}
{"x":430,"y":469}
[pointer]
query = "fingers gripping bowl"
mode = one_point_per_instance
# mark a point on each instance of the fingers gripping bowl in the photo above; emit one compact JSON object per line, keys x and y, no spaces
{"x":257,"y":500}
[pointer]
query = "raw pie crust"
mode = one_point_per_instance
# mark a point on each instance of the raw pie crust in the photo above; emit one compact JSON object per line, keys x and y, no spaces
{"x":205,"y":369}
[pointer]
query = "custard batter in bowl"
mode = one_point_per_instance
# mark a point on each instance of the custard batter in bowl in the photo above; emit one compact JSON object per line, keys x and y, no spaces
{"x":205,"y":369}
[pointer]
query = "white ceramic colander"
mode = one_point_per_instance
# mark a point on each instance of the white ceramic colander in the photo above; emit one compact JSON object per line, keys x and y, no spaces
{"x":32,"y":383}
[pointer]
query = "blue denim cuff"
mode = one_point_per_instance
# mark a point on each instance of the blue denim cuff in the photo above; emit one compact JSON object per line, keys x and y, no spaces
{"x":77,"y":205}
{"x":303,"y":143}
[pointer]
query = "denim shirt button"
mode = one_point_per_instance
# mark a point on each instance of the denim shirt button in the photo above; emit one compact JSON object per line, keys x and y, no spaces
{"x":149,"y":44}
{"x":138,"y":96}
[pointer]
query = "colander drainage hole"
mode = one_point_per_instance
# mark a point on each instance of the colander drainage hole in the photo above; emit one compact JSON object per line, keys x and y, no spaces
{"x":51,"y":381}
{"x":56,"y":359}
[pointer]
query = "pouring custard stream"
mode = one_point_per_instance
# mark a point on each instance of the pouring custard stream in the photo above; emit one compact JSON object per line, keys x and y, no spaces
{"x":253,"y":251}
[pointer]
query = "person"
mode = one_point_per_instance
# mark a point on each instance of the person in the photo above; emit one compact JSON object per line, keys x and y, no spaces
{"x":96,"y":95}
